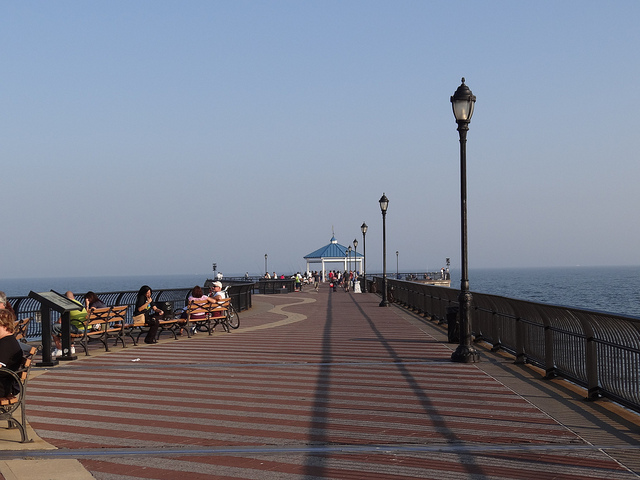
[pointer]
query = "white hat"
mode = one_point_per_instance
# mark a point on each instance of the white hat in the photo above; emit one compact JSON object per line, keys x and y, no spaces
{"x":217,"y":284}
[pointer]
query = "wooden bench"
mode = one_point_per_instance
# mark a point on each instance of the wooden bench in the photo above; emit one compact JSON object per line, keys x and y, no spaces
{"x":202,"y":314}
{"x":223,"y":317}
{"x":171,"y":322}
{"x":102,"y":324}
{"x":128,"y":329}
{"x":11,"y":403}
{"x":135,"y":330}
{"x":20,"y":329}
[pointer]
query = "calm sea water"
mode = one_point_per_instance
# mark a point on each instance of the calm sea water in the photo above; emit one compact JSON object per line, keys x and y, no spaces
{"x":609,"y":289}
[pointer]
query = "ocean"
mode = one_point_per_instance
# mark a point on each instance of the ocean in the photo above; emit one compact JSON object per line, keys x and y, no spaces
{"x":608,"y":289}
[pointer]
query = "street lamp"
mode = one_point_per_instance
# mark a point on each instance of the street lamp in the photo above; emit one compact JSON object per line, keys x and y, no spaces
{"x":463,"y":102}
{"x":363,"y":229}
{"x":349,"y":258}
{"x":355,"y":262}
{"x":355,"y":255}
{"x":397,"y":274}
{"x":266,"y":270}
{"x":384,"y":204}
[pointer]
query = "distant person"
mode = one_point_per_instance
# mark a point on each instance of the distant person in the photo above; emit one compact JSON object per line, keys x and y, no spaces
{"x":267,"y":276}
{"x":145,"y":308}
{"x":219,"y":276}
{"x":10,"y":351}
{"x":76,"y":325}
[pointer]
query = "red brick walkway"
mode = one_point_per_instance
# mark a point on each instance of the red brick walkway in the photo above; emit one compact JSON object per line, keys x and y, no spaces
{"x":330,"y":386}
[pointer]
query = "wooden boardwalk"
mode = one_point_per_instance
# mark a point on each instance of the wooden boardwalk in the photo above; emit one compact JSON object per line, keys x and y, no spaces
{"x":321,"y":386}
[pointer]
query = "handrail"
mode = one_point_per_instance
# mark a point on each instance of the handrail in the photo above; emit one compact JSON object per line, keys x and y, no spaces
{"x":597,"y":350}
{"x":24,"y":307}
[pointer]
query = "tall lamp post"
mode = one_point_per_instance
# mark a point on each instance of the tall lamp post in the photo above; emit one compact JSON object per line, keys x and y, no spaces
{"x":355,"y":262}
{"x":349,"y":258}
{"x":266,"y":270}
{"x":363,"y":229}
{"x":384,"y":204}
{"x":397,"y":272}
{"x":463,"y":102}
{"x":355,"y":255}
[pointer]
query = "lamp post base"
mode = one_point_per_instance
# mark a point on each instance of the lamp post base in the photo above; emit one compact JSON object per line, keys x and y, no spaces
{"x":384,"y":303}
{"x":465,"y":354}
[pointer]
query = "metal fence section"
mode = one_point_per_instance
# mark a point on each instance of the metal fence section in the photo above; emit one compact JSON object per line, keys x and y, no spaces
{"x":597,"y":350}
{"x":177,"y":299}
{"x":276,"y":285}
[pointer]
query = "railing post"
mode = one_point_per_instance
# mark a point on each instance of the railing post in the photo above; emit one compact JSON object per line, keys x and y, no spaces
{"x":593,"y":382}
{"x":549,"y":360}
{"x":497,"y":335}
{"x":591,"y":361}
{"x":521,"y":356}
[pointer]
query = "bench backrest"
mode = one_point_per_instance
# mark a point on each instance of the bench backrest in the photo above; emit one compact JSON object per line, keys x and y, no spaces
{"x":97,"y":317}
{"x":28,"y":352}
{"x":118,"y":313}
{"x":104,"y":316}
{"x":198,"y":308}
{"x":20,"y":329}
{"x":225,"y":303}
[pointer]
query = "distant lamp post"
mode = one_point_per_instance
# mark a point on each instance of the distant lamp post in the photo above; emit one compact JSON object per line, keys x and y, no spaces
{"x":463,"y":102}
{"x":349,"y":258}
{"x":266,"y":270}
{"x":363,"y":229}
{"x":215,"y":267}
{"x":397,"y":273}
{"x":384,"y":204}
{"x":355,"y":255}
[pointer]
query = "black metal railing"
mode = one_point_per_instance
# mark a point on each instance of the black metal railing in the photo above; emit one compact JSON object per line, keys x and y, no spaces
{"x":275,"y":285}
{"x":597,"y":350}
{"x":177,"y":298}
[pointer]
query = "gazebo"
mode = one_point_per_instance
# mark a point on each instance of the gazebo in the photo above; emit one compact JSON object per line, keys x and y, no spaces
{"x":335,"y":253}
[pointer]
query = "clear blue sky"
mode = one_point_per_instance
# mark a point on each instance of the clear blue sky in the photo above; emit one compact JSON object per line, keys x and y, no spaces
{"x":152,"y":137}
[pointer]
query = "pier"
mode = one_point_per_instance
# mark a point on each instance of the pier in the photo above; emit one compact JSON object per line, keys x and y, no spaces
{"x":315,"y":385}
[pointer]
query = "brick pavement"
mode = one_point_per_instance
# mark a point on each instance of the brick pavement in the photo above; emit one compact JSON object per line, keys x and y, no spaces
{"x":322,"y":386}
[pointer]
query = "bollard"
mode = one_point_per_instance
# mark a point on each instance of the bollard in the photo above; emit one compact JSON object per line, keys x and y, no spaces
{"x":453,"y":325}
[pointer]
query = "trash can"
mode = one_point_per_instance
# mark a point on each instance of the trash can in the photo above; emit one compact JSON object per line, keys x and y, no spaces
{"x":453,"y":324}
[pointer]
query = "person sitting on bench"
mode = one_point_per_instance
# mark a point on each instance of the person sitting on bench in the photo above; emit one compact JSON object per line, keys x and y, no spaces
{"x":76,"y":317}
{"x":10,"y":351}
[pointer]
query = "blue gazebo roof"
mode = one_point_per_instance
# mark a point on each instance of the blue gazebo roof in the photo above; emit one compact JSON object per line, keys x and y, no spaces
{"x":332,"y":250}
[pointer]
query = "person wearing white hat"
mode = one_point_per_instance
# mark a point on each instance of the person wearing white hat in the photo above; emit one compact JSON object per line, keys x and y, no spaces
{"x":217,"y":294}
{"x":216,"y":291}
